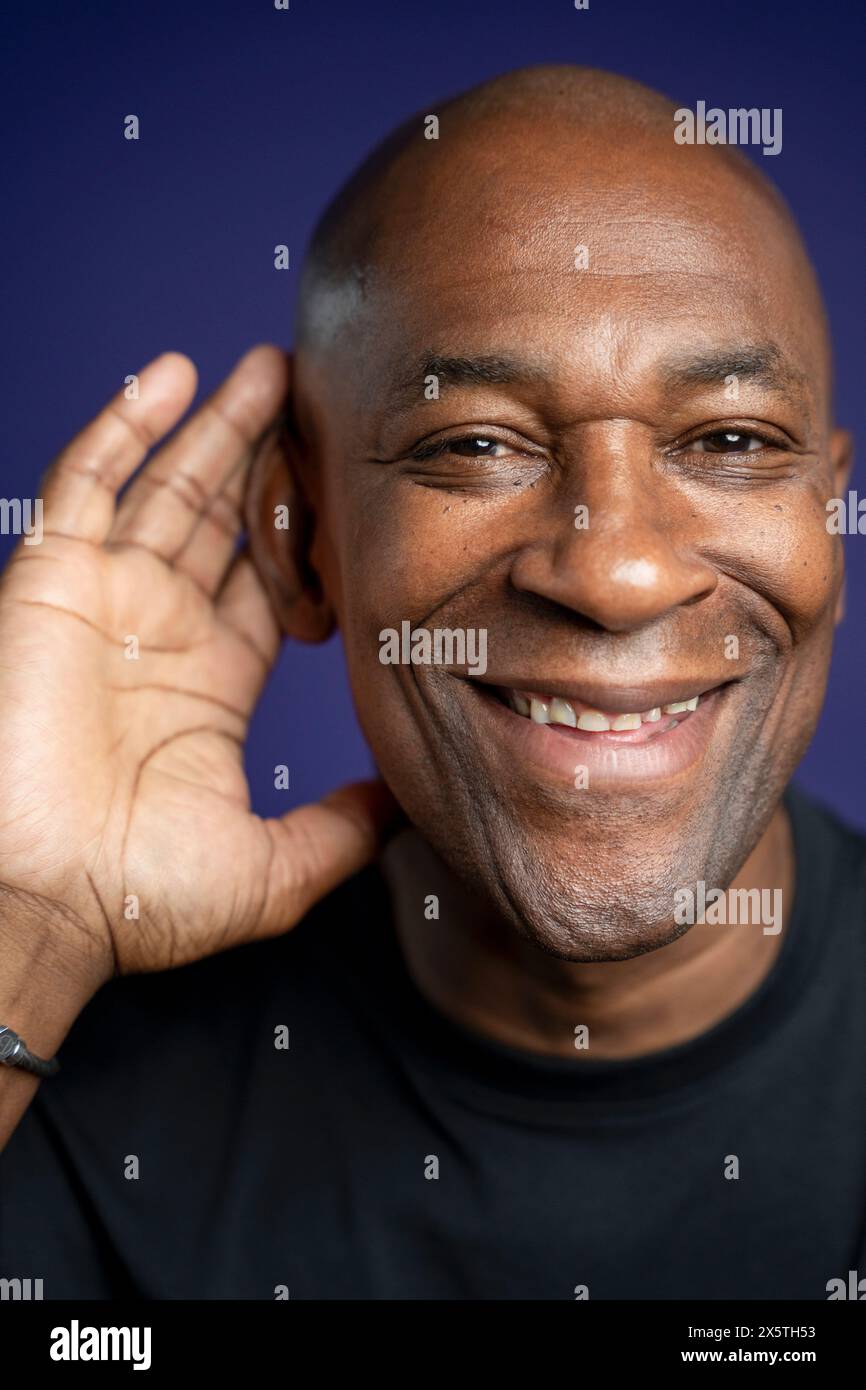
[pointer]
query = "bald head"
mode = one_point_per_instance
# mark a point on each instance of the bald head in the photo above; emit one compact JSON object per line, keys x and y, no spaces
{"x":544,"y":145}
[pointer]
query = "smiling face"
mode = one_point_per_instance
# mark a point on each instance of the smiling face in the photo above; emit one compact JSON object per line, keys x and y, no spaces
{"x":622,"y":482}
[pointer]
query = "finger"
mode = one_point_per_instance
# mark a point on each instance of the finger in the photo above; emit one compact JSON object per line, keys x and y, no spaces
{"x":79,"y":491}
{"x":212,"y":545}
{"x":164,"y":503}
{"x":316,"y":847}
{"x":243,"y":607}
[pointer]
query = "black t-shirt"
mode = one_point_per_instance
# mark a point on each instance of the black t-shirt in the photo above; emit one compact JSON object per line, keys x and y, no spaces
{"x":389,"y":1153}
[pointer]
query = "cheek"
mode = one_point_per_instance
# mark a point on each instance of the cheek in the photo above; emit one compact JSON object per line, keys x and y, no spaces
{"x":781,"y":548}
{"x":404,"y":554}
{"x":405,"y":549}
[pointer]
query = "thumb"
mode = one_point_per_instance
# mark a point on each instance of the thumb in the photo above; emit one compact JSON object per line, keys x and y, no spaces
{"x":316,"y":847}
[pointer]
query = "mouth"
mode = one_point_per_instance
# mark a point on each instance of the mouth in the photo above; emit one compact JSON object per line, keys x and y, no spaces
{"x":639,"y":726}
{"x":664,"y":735}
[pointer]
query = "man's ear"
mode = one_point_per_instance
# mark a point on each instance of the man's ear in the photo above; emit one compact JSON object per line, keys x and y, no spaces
{"x":842,"y":459}
{"x":279,"y":522}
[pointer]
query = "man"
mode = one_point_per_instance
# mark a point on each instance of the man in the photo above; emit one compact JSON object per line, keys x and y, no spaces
{"x":594,"y":1024}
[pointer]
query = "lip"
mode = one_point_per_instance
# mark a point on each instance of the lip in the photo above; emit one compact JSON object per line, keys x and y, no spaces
{"x":612,"y":760}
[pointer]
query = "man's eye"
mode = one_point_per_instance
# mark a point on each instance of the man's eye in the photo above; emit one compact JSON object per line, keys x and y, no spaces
{"x":729,"y":442}
{"x":469,"y":446}
{"x":476,"y":446}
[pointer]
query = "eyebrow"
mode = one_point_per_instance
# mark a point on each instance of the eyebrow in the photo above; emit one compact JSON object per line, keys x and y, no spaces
{"x":485,"y":370}
{"x":762,"y":363}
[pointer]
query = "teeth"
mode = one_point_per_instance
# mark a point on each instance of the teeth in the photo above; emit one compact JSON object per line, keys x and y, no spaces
{"x":558,"y":711}
{"x":561,"y":712}
{"x":626,"y":721}
{"x":593,"y":721}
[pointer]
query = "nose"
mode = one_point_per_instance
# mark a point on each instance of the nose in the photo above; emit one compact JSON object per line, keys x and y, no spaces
{"x":620,"y":553}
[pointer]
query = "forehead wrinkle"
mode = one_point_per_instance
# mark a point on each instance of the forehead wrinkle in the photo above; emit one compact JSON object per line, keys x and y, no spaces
{"x":539,"y":237}
{"x":402,"y":283}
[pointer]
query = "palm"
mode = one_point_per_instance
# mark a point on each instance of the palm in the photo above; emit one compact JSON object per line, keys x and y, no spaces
{"x":134,"y":655}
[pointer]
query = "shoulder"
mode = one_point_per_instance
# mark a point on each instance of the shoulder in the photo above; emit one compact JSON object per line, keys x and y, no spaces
{"x":830,"y":867}
{"x":821,"y":832}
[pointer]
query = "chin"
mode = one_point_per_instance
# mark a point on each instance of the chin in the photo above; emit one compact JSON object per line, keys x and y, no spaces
{"x":579,"y":917}
{"x":583,"y":902}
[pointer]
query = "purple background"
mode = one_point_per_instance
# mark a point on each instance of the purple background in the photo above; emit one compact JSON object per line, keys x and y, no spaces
{"x":250,"y":118}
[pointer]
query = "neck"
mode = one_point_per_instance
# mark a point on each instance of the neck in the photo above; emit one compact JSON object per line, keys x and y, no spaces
{"x":479,"y":971}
